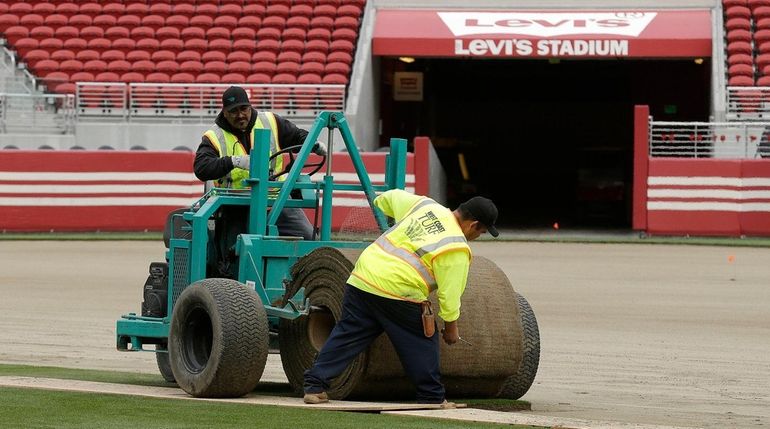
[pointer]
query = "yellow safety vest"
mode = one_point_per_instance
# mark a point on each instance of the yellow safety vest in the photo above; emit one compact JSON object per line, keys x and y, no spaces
{"x":404,"y":254}
{"x":233,"y":147}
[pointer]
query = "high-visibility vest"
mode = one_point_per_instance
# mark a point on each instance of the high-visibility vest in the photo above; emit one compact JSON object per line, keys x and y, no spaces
{"x":233,"y":147}
{"x":407,"y":250}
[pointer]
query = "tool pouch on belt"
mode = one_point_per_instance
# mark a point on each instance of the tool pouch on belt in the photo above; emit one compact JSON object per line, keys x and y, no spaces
{"x":428,"y":319}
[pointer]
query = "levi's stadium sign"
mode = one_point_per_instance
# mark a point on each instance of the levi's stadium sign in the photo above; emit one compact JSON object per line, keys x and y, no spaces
{"x":543,"y":34}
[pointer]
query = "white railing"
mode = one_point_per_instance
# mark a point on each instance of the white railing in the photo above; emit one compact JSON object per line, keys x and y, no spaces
{"x":750,"y":103}
{"x":37,"y":113}
{"x":149,"y":101}
{"x":709,"y":139}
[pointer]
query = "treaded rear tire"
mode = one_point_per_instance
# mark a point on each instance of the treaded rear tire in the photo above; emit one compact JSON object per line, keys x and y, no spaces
{"x":219,"y":339}
{"x":518,"y":384}
{"x":164,"y":364}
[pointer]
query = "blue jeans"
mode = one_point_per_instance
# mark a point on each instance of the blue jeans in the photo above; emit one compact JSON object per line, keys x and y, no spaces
{"x":364,"y":317}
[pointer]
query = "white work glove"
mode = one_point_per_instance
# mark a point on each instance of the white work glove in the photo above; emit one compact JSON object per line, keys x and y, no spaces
{"x":240,"y":161}
{"x":320,"y":149}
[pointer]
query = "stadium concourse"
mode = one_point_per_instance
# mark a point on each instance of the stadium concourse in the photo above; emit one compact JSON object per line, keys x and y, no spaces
{"x":532,"y":105}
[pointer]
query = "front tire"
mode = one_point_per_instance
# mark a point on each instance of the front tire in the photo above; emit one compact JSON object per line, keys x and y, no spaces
{"x":219,"y":339}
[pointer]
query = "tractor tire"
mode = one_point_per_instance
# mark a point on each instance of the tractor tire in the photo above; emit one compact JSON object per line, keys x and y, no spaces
{"x":164,"y":364}
{"x":518,"y":384}
{"x":219,"y":339}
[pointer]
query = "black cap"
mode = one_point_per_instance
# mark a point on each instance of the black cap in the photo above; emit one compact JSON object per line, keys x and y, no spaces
{"x":483,"y":210}
{"x":235,"y":96}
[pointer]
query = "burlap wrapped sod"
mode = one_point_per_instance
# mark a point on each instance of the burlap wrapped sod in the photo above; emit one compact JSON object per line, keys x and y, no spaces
{"x":495,"y":319}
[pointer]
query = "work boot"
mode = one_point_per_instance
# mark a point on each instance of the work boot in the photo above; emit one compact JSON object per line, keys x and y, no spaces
{"x":316,"y":398}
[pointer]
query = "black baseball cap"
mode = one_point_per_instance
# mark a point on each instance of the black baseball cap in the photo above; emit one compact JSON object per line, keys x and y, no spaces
{"x":235,"y":96}
{"x":483,"y":210}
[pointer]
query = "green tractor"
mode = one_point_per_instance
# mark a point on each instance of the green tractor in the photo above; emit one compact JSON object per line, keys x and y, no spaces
{"x":211,"y":331}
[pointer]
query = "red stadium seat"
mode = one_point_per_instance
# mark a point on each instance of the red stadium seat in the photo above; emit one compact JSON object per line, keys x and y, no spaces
{"x":243,"y":33}
{"x":301,"y":10}
{"x":77,"y":44}
{"x":325,"y":10}
{"x":264,"y":67}
{"x":162,"y":55}
{"x":53,"y":44}
{"x":238,"y":3}
{"x":207,"y":78}
{"x":741,"y":70}
{"x":148,"y":44}
{"x":241,"y":67}
{"x":764,"y":48}
{"x":340,"y":57}
{"x":199,"y":45}
{"x":728,"y":3}
{"x":132,"y":22}
{"x":26,"y":44}
{"x":740,"y":81}
{"x":348,"y":22}
{"x":287,"y":67}
{"x":107,"y":77}
{"x":82,"y":76}
{"x":132,"y":77}
{"x":309,"y":79}
{"x":138,"y":9}
{"x":31,"y":20}
{"x":268,"y":33}
{"x":258,"y":78}
{"x":245,"y":45}
{"x":236,"y":56}
{"x":56,"y":20}
{"x":191,"y":66}
{"x":313,"y":57}
{"x":124,"y":44}
{"x":277,"y":10}
{"x":203,"y":21}
{"x":141,"y":32}
{"x":322,"y":22}
{"x":20,"y":8}
{"x":80,"y":20}
{"x":334,"y":3}
{"x":234,"y":10}
{"x":95,"y":66}
{"x":184,"y":9}
{"x":66,"y":32}
{"x":218,"y":67}
{"x":348,"y":46}
{"x":67,"y":9}
{"x":106,"y":22}
{"x":90,"y":9}
{"x":164,"y":33}
{"x":174,"y":45}
{"x":41,"y":32}
{"x":337,"y":68}
{"x":284,"y":79}
{"x":62,"y":55}
{"x":157,"y":77}
{"x":753,"y":4}
{"x":294,"y":33}
{"x":763,"y":81}
{"x":188,"y":56}
{"x":223,"y":45}
{"x":170,"y":67}
{"x":250,"y":21}
{"x":44,"y":67}
{"x":7,"y":21}
{"x":43,"y":8}
{"x":114,"y":33}
{"x":217,"y":33}
{"x":71,"y":66}
{"x":34,"y":56}
{"x":319,"y":34}
{"x":182,"y":78}
{"x":143,"y":66}
{"x":233,"y":78}
{"x":740,"y":59}
{"x":207,"y":9}
{"x":193,"y":33}
{"x":134,"y":56}
{"x":153,"y":21}
{"x":739,"y":48}
{"x":298,"y":22}
{"x":759,"y":13}
{"x":91,"y":32}
{"x":335,"y":79}
{"x":350,"y":35}
{"x":295,"y":46}
{"x":272,"y":21}
{"x":349,"y":10}
{"x":289,"y":56}
{"x":209,"y":56}
{"x":53,"y":79}
{"x":114,"y":9}
{"x":317,"y":46}
{"x":762,"y":24}
{"x":160,"y":9}
{"x":16,"y":32}
{"x":264,"y":56}
{"x":118,"y":66}
{"x":254,"y":9}
{"x":87,"y":55}
{"x":269,"y":45}
{"x":738,"y":12}
{"x":178,"y":21}
{"x":760,"y":36}
{"x":226,"y":21}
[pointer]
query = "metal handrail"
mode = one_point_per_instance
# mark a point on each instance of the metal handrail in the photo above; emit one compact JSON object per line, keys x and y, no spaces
{"x":737,"y":140}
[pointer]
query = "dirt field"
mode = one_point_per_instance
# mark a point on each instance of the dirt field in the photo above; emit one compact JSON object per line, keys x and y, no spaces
{"x":668,"y":335}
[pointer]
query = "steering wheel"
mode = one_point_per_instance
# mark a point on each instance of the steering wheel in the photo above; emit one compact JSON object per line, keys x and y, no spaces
{"x":292,"y":157}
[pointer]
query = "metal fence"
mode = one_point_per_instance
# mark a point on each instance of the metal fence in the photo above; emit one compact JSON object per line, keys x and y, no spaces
{"x":748,"y":103}
{"x":709,"y":139}
{"x":37,"y":114}
{"x":148,"y":101}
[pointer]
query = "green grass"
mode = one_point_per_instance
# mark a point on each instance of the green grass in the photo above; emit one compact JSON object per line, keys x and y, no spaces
{"x":32,"y":408}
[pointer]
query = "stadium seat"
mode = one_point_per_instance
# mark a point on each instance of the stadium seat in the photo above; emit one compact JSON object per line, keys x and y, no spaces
{"x":118,"y":66}
{"x":268,"y":33}
{"x":233,"y":78}
{"x":269,"y":45}
{"x":164,"y":33}
{"x":71,"y":66}
{"x":114,"y":32}
{"x":317,"y":46}
{"x":169,"y":67}
{"x":738,"y":12}
{"x":250,"y":21}
{"x":264,"y":56}
{"x":349,"y":22}
{"x":283,"y":79}
{"x":289,"y":56}
{"x":202,"y":21}
{"x":143,"y":66}
{"x":254,"y":9}
{"x":207,"y":78}
{"x":277,"y":10}
{"x":157,"y":77}
{"x":759,"y":13}
{"x":141,"y":32}
{"x":82,"y":76}
{"x":739,"y":48}
{"x":67,"y":9}
{"x":238,"y":3}
{"x":312,"y":68}
{"x":63,"y":55}
{"x":138,"y":9}
{"x":322,"y":34}
{"x":105,"y":21}
{"x":337,"y":67}
{"x":762,"y":24}
{"x":43,"y":8}
{"x":184,"y":9}
{"x":114,"y":9}
{"x":160,"y":9}
{"x":90,"y":9}
{"x":223,"y":45}
{"x":31,"y":20}
{"x":226,"y":21}
{"x":26,"y":44}
{"x":298,"y":22}
{"x":740,"y":81}
{"x":313,"y":57}
{"x":213,"y":56}
{"x":132,"y":22}
{"x":334,"y":3}
{"x":192,"y":33}
{"x":258,"y":78}
{"x":322,"y":22}
{"x":80,"y":20}
{"x":271,"y":21}
{"x":198,"y":45}
{"x":56,"y":20}
{"x":238,"y":56}
{"x":65,"y":88}
{"x":738,"y":24}
{"x":351,"y":35}
{"x":301,"y":10}
{"x":182,"y":78}
{"x":233,"y":10}
{"x":153,"y":21}
{"x":207,"y":9}
{"x":766,"y":70}
{"x":348,"y":46}
{"x":764,"y":48}
{"x":293,"y":46}
{"x":245,"y":45}
{"x":174,"y":45}
{"x":335,"y":79}
{"x":52,"y":44}
{"x":294,"y":33}
{"x":349,"y":10}
{"x":124,"y":44}
{"x":188,"y":56}
{"x":7,"y":21}
{"x":132,"y":77}
{"x":16,"y":32}
{"x":135,"y":55}
{"x":309,"y":79}
{"x":76,"y":44}
{"x":728,"y":3}
{"x":148,"y":44}
{"x":217,"y":33}
{"x":763,"y":81}
{"x":20,"y":8}
{"x":217,"y":67}
{"x":34,"y":56}
{"x":287,"y":67}
{"x":112,"y":55}
{"x":95,"y":66}
{"x":243,"y":33}
{"x":162,"y":55}
{"x":91,"y":32}
{"x":264,"y":67}
{"x":741,"y":70}
{"x":190,"y":66}
{"x":760,"y":36}
{"x":340,"y":57}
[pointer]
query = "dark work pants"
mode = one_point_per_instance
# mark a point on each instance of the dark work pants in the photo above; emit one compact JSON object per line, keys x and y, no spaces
{"x":364,"y":317}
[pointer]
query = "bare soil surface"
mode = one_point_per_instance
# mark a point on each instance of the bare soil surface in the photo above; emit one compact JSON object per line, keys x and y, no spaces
{"x":647,"y":334}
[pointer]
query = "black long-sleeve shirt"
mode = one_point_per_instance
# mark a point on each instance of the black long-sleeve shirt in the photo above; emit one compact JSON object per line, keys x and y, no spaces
{"x":208,"y":165}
